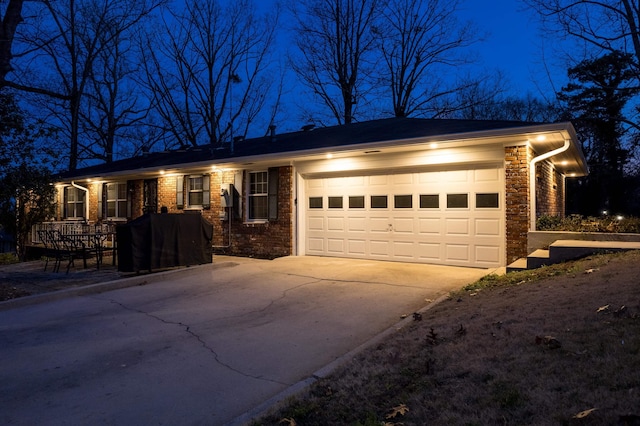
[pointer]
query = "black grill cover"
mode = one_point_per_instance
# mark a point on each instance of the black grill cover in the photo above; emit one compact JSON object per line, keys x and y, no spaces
{"x":156,"y":241}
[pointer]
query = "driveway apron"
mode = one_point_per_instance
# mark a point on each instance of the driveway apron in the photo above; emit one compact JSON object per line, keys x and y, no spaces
{"x":202,"y":347}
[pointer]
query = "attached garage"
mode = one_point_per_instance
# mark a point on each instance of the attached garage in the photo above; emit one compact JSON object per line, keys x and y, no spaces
{"x":453,"y":217}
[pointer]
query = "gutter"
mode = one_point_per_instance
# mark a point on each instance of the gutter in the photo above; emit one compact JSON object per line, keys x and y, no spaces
{"x":532,"y":180}
{"x":86,"y":203}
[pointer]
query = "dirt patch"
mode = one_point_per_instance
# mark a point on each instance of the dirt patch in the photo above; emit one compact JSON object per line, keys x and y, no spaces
{"x":29,"y":278}
{"x":560,"y":345}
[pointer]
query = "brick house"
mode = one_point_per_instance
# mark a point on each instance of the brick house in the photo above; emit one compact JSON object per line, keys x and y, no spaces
{"x":454,"y":192}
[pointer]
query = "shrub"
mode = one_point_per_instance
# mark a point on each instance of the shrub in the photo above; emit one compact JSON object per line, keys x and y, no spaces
{"x":578,"y":223}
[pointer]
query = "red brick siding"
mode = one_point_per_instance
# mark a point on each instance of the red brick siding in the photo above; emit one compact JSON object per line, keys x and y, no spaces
{"x":550,"y":191}
{"x":517,"y":160}
{"x":265,"y":239}
{"x":135,"y":188}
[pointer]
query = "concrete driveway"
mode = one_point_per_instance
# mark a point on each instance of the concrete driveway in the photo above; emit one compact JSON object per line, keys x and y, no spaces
{"x":209,"y":345}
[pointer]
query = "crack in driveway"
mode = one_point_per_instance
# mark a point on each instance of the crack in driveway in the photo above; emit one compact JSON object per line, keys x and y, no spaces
{"x":204,"y":344}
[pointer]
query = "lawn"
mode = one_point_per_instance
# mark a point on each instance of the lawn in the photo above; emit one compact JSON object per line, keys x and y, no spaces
{"x":554,"y":346}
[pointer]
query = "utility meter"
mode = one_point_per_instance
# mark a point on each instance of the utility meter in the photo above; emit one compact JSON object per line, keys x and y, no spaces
{"x":226,"y":195}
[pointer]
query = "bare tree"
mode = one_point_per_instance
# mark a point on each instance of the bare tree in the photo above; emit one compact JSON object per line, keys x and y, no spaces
{"x":208,"y":77}
{"x":10,"y":20}
{"x":334,"y":41}
{"x":113,"y":107}
{"x":604,"y":26}
{"x":60,"y":42}
{"x":422,"y":42}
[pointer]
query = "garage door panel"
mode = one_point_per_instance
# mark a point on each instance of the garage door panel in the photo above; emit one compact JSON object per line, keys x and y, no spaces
{"x":379,"y":180}
{"x":457,"y":226}
{"x":430,"y":226}
{"x":403,"y":225}
{"x":487,"y":175}
{"x":335,"y":246}
{"x":316,"y":245}
{"x":357,"y":247}
{"x":356,"y":224}
{"x":457,"y":252}
{"x":487,"y":227}
{"x":379,"y":248}
{"x":379,"y":225}
{"x":487,"y":254}
{"x":335,"y":224}
{"x":316,"y":223}
{"x":403,"y":249}
{"x":429,"y":252}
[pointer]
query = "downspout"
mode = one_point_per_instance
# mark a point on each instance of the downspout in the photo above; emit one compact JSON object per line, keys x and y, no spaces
{"x":86,"y":204}
{"x":532,"y":180}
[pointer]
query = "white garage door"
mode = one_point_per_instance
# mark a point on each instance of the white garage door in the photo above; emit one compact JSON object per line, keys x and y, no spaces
{"x":445,"y":217}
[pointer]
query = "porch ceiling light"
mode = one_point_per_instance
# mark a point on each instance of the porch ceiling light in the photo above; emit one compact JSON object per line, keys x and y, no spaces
{"x":541,"y":138}
{"x":433,"y":145}
{"x":329,"y":156}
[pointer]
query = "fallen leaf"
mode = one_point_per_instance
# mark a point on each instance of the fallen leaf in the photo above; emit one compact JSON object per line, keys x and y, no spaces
{"x":585,"y":413}
{"x":603,"y":308}
{"x":289,"y":421}
{"x":549,"y":341}
{"x":620,"y":311}
{"x":590,"y":271}
{"x":401,"y":409}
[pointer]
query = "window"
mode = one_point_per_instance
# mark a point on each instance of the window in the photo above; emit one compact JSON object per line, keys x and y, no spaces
{"x":195,"y":194}
{"x":487,"y":201}
{"x":457,"y":201}
{"x":258,"y":196}
{"x":402,"y":201}
{"x":356,"y":202}
{"x":429,"y":201}
{"x":335,"y":202}
{"x":116,"y":200}
{"x":74,"y":202}
{"x":378,"y":201}
{"x":315,"y":202}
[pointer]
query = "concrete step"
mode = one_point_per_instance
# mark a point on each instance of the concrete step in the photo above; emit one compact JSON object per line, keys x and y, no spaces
{"x":538,"y":258}
{"x":562,"y":250}
{"x":518,"y":265}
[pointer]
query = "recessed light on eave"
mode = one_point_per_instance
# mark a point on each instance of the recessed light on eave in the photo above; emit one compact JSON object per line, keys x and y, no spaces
{"x":433,"y":145}
{"x":329,"y":156}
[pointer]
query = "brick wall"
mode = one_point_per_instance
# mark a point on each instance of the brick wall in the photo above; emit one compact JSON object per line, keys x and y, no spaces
{"x":264,"y":239}
{"x":268,"y":239}
{"x":550,"y":191}
{"x":517,"y":200}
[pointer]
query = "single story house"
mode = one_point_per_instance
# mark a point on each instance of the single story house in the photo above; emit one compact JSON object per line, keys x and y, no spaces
{"x":451,"y":192}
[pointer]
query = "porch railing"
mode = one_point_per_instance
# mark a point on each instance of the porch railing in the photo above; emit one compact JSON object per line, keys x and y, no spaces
{"x":73,"y":227}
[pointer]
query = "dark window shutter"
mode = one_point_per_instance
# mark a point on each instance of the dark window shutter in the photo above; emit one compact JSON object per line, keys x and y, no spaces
{"x":273,"y":193}
{"x":65,"y":198}
{"x":101,"y":190}
{"x":130,"y":189}
{"x":206,"y":192}
{"x":180,"y":192}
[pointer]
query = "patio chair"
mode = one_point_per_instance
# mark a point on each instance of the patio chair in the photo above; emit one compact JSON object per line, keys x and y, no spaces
{"x":49,"y":249}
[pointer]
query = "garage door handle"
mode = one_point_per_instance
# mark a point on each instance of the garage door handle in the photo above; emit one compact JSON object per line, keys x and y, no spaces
{"x":390,"y":229}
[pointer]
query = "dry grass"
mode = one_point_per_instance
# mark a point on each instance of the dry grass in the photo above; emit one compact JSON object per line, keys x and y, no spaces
{"x":541,"y":347}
